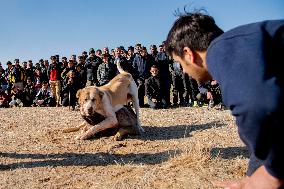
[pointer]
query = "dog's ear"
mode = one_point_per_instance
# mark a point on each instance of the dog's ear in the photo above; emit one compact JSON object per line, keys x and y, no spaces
{"x":78,"y":94}
{"x":100,"y":93}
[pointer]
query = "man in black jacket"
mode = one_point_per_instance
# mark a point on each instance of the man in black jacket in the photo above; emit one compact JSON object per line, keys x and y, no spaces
{"x":142,"y":63}
{"x":155,"y":89}
{"x":92,"y":65}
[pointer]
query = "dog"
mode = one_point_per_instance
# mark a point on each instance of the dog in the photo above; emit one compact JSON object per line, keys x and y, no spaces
{"x":107,"y":100}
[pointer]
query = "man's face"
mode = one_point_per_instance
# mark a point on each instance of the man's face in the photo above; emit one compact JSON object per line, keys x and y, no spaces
{"x":105,"y":50}
{"x":154,"y":71}
{"x":45,"y":86}
{"x":117,"y":52}
{"x":70,"y":64}
{"x":98,"y":53}
{"x":46,"y":63}
{"x":29,"y":81}
{"x":105,"y":59}
{"x":130,"y":52}
{"x":197,"y":72}
{"x":143,"y":52}
{"x":81,"y":61}
{"x":153,"y":49}
{"x":138,"y":49}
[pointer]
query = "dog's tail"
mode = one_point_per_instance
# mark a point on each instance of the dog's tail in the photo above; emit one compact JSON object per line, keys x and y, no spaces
{"x":120,"y":69}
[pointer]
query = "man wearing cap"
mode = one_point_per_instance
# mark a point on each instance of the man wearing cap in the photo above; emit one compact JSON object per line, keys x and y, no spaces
{"x":92,"y":65}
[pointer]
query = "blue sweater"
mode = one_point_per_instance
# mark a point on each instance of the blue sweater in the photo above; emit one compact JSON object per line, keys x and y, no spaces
{"x":248,"y":63}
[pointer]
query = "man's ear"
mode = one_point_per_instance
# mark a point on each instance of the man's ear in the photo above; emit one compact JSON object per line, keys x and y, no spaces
{"x":78,"y":93}
{"x":188,"y":54}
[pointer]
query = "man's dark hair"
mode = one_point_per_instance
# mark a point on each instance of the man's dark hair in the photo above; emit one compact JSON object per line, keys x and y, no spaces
{"x":193,"y":30}
{"x":45,"y":82}
{"x":155,"y":66}
{"x":131,"y":48}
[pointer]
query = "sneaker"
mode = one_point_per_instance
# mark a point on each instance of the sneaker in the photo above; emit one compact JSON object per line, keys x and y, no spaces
{"x":195,"y":104}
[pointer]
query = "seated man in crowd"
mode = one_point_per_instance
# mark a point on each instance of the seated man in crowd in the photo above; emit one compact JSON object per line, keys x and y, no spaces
{"x":3,"y":81}
{"x":30,"y":93}
{"x":154,"y":89}
{"x":210,"y":93}
{"x":17,"y":97}
{"x":44,"y":97}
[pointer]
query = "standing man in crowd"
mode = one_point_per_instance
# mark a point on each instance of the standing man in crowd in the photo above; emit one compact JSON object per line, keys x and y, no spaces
{"x":106,"y":52}
{"x":163,"y":61}
{"x":153,"y":51}
{"x":19,"y":75}
{"x":247,"y":62}
{"x":179,"y":85}
{"x":10,"y":76}
{"x":142,"y":64}
{"x":106,"y":71}
{"x":30,"y":70}
{"x":92,"y":65}
{"x":81,"y":70}
{"x":125,"y":65}
{"x":54,"y":76}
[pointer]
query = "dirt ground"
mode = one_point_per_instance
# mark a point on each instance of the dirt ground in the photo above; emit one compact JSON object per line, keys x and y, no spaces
{"x":182,"y":148}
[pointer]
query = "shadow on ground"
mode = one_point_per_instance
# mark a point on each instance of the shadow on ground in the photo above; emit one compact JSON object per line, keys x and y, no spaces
{"x":83,"y":159}
{"x":230,"y":152}
{"x":174,"y":132}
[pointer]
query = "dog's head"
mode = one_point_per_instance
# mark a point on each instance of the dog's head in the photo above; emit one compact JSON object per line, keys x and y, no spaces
{"x":90,"y":100}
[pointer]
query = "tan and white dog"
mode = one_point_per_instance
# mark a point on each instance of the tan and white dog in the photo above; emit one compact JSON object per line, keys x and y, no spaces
{"x":106,"y":100}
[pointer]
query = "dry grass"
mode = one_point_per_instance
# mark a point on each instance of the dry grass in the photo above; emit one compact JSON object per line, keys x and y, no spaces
{"x":182,"y":148}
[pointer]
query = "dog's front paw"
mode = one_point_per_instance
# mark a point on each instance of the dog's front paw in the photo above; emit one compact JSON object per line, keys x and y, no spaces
{"x":88,"y":134}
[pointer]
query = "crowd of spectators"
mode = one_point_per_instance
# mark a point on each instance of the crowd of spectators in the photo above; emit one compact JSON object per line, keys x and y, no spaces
{"x":55,"y":82}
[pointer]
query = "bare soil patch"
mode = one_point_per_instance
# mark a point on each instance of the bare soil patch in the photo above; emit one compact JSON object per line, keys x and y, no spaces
{"x":182,"y":148}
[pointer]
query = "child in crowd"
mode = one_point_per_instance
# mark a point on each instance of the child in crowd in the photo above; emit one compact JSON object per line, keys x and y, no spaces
{"x":155,"y":89}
